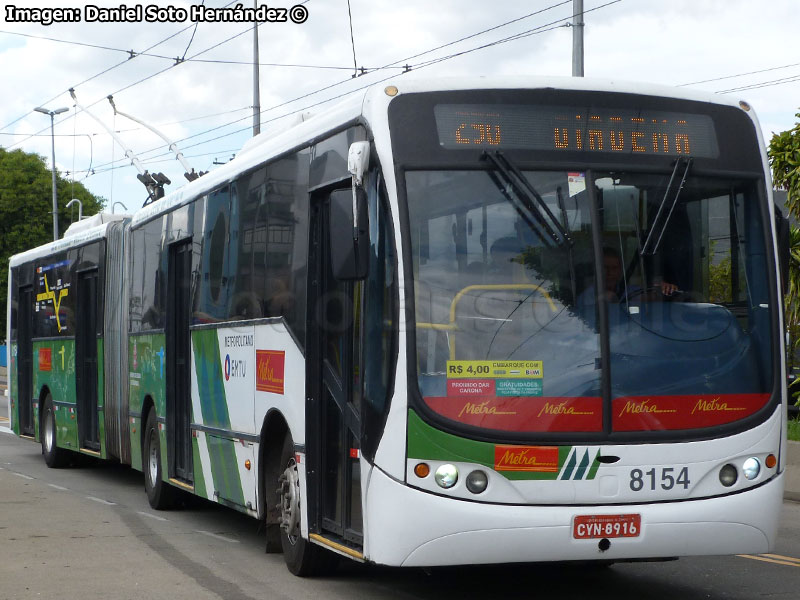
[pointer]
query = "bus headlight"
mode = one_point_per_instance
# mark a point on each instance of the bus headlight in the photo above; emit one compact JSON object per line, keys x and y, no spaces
{"x":728,"y":475}
{"x":477,"y":482}
{"x":751,"y":468}
{"x":446,"y":476}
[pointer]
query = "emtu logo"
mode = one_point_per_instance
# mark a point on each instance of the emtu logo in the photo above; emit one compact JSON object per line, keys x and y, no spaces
{"x":235,"y":368}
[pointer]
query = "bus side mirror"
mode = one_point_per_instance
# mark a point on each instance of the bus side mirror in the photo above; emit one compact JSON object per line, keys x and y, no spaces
{"x":349,"y":234}
{"x":784,"y":243}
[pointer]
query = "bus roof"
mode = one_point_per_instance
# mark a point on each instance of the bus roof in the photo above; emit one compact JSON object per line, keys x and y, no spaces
{"x":77,"y":238}
{"x":306,"y":127}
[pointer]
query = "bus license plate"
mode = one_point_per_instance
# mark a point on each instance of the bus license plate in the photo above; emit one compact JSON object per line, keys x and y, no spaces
{"x":587,"y":527}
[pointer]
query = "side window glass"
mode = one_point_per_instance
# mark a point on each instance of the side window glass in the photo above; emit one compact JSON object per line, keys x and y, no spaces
{"x":54,"y":308}
{"x":153,"y":273}
{"x":286,"y":255}
{"x":378,"y":331}
{"x":216,"y":272}
{"x":251,"y":273}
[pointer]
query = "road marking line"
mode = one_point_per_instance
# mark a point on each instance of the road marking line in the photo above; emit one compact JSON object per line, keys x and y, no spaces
{"x":58,"y":487}
{"x":23,"y":476}
{"x":779,"y":557}
{"x":101,"y":501}
{"x":152,"y":516}
{"x":769,"y":560}
{"x":219,"y":537}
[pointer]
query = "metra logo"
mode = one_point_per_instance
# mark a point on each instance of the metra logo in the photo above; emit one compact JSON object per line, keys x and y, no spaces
{"x":234,"y":368}
{"x":482,"y":409}
{"x":714,"y":405}
{"x":561,"y":409}
{"x":540,"y":459}
{"x":270,"y":366}
{"x":641,"y":407}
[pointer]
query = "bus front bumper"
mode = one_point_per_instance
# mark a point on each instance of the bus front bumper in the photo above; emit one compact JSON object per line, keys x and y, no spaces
{"x":409,"y":527}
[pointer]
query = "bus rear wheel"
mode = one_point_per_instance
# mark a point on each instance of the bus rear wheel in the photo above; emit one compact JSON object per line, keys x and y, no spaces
{"x":54,"y":456}
{"x":160,"y":494}
{"x":303,"y":558}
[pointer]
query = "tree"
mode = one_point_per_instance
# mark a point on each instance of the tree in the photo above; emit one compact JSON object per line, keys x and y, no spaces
{"x":26,"y":201}
{"x":784,"y":155}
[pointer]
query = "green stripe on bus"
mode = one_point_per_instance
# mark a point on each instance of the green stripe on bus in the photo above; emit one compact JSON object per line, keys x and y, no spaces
{"x":428,"y":443}
{"x":214,"y":407}
{"x":570,"y":466}
{"x":582,"y":467}
{"x":595,"y":466}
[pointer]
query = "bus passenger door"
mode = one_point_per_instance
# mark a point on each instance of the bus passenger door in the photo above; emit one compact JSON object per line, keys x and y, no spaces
{"x":25,"y":360}
{"x":179,"y":401}
{"x":333,"y":422}
{"x":86,"y":361}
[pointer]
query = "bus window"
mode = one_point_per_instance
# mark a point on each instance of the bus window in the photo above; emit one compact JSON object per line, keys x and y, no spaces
{"x":287,"y":241}
{"x":251,"y":196}
{"x":694,"y":305}
{"x":149,"y":265}
{"x":216,"y":272}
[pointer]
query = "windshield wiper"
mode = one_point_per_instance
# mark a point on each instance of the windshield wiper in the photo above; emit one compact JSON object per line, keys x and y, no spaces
{"x":660,"y":223}
{"x":528,"y":196}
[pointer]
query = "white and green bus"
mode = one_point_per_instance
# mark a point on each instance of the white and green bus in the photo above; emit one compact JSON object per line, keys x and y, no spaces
{"x":445,"y":322}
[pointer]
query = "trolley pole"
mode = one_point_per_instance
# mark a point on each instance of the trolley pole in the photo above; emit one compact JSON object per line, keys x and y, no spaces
{"x":577,"y":38}
{"x":256,"y":82}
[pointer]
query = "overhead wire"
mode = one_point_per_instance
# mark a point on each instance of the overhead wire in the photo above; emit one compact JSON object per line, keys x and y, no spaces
{"x":135,"y":54}
{"x":131,"y":57}
{"x":527,"y":33}
{"x":95,"y":76}
{"x":352,"y":39}
{"x":386,"y":66}
{"x":556,"y":24}
{"x":193,"y":34}
{"x":738,"y":75}
{"x":770,"y":83}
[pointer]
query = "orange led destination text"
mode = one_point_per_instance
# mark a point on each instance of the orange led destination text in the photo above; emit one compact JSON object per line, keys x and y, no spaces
{"x":607,"y":135}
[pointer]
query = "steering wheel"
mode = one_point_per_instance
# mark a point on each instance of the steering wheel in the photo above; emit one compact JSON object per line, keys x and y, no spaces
{"x":648,"y":290}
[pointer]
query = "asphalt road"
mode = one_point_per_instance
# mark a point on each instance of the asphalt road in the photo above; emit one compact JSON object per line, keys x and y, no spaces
{"x":87,"y":532}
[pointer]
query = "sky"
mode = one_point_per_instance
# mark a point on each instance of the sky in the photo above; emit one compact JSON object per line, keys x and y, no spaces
{"x":194,"y":80}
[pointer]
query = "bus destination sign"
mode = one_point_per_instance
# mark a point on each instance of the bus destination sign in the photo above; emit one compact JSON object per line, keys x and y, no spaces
{"x":575,"y":129}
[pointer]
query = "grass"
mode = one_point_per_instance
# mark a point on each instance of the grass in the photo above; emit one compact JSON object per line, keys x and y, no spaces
{"x":794,"y":430}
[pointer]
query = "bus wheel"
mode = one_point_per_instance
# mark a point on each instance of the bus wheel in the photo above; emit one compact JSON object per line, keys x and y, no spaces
{"x":303,"y":558}
{"x":160,"y":494}
{"x":54,"y":456}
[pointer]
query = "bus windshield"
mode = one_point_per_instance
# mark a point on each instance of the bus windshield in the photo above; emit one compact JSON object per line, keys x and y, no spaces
{"x":507,"y":300}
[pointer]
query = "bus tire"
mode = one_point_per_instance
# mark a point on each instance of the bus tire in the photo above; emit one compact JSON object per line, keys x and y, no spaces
{"x":54,"y":456}
{"x":161,"y":495}
{"x":303,"y":558}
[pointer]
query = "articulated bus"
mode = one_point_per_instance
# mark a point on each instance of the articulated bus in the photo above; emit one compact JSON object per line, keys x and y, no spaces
{"x":475,"y":321}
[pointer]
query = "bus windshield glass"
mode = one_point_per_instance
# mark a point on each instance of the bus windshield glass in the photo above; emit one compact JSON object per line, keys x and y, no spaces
{"x":507,"y":300}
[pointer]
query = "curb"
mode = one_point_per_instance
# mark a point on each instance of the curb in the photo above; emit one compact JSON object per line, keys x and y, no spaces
{"x":792,"y":478}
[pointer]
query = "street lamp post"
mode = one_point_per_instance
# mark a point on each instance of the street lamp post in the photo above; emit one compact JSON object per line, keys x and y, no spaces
{"x":52,"y":114}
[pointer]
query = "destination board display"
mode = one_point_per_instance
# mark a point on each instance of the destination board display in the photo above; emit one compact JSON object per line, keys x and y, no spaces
{"x":575,"y":129}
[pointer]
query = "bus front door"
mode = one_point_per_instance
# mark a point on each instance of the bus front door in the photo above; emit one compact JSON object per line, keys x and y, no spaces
{"x":333,"y":422}
{"x":86,"y":362}
{"x":25,"y":360}
{"x":179,"y":401}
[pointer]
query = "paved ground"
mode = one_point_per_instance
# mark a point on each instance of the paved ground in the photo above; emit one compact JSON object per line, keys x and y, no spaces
{"x":87,"y":532}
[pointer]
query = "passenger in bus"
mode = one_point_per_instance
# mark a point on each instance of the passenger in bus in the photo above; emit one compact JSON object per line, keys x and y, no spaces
{"x":618,"y":289}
